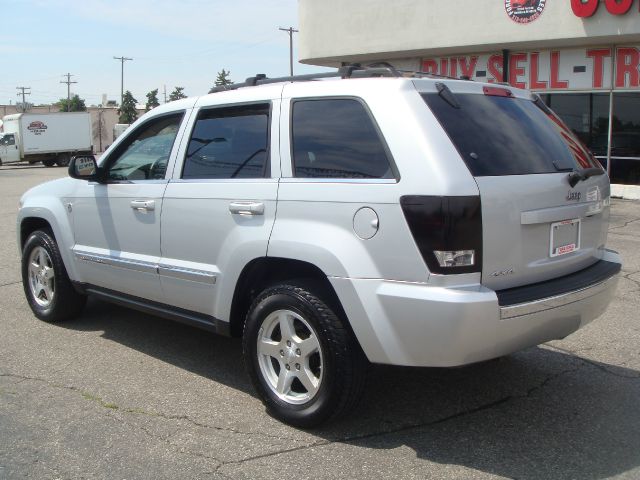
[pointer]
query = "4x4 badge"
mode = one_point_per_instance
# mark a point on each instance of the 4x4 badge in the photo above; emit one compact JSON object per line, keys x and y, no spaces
{"x":574,"y":196}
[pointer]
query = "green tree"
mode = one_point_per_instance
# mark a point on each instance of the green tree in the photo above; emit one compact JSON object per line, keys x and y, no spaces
{"x":127,"y":110}
{"x":74,"y":104}
{"x":177,"y":94}
{"x":152,"y":99}
{"x":223,"y":78}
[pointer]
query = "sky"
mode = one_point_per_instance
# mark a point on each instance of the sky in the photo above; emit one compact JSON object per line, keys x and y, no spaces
{"x":174,"y":43}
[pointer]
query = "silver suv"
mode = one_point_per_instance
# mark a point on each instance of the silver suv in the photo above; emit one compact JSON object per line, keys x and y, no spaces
{"x":331,"y":221}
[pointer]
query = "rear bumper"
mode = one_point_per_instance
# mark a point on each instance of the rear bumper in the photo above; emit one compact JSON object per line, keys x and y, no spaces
{"x":420,"y":325}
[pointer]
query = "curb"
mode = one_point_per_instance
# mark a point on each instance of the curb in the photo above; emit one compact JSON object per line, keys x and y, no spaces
{"x":628,"y":192}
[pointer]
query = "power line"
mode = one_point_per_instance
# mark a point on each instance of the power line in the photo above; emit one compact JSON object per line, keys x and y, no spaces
{"x":290,"y":31}
{"x":68,"y":82}
{"x":122,"y":60}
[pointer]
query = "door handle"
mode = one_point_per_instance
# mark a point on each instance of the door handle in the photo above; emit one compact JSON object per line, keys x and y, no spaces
{"x":247,"y":208}
{"x":143,"y":205}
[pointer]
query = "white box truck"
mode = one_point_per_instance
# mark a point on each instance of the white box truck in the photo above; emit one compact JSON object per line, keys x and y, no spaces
{"x":50,"y":138}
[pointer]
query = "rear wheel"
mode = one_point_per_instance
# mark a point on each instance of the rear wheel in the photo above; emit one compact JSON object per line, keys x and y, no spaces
{"x":47,"y":287}
{"x":48,"y":162}
{"x":63,"y":160}
{"x":307,"y":367}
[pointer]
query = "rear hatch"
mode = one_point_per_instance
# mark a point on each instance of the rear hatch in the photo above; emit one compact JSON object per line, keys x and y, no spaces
{"x":544,"y":198}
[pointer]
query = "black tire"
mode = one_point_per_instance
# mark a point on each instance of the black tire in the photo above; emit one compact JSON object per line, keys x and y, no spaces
{"x":48,"y":162}
{"x":342,"y":371}
{"x":63,"y":302}
{"x":63,"y":160}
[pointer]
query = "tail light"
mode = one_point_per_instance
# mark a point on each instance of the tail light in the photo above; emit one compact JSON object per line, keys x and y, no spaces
{"x":447,"y":231}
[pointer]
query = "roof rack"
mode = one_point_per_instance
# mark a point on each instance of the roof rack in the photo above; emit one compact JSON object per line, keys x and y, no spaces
{"x":381,"y":69}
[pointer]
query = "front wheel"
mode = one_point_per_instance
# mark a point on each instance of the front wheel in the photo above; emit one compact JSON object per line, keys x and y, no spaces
{"x":47,"y":287}
{"x":307,"y":367}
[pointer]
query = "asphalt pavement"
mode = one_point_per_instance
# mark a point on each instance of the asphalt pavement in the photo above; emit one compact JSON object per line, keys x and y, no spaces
{"x":117,"y":394}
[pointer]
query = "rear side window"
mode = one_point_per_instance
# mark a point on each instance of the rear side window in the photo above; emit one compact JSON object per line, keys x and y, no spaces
{"x":498,"y":135}
{"x":230,"y":142}
{"x":336,"y":138}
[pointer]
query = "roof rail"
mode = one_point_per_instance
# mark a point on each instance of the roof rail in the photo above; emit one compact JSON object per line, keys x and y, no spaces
{"x":355,"y":70}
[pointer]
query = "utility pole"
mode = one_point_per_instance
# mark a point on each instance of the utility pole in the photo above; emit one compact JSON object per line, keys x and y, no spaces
{"x":165,"y":94}
{"x":290,"y":31}
{"x":68,"y":82}
{"x":122,"y":60}
{"x":23,"y":93}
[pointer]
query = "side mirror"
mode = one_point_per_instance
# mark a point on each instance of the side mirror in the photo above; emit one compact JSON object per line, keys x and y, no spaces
{"x":84,"y":168}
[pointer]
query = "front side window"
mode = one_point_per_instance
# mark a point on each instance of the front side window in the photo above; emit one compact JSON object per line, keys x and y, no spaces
{"x":144,"y":155}
{"x":8,"y":140}
{"x":336,"y":138}
{"x":229,"y":142}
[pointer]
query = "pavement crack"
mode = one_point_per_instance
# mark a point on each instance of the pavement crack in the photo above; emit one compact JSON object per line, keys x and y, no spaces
{"x":139,"y":411}
{"x":9,"y":284}
{"x":625,"y":224}
{"x":405,"y":428}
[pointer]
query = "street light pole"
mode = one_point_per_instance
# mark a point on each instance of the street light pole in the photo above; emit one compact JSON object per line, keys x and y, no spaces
{"x":290,"y":31}
{"x":122,"y":60}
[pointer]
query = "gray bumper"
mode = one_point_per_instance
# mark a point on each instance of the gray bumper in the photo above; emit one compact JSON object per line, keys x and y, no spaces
{"x":420,"y":325}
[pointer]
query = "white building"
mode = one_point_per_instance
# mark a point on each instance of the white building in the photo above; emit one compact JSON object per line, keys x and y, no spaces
{"x":582,"y":56}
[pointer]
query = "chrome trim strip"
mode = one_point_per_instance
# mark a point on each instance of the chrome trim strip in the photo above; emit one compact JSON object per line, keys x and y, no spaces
{"x":189,"y":274}
{"x":557,"y":214}
{"x":136,"y":265}
{"x":550,"y":303}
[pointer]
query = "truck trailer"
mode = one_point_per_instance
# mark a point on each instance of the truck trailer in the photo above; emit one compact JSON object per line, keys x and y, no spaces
{"x":50,"y":138}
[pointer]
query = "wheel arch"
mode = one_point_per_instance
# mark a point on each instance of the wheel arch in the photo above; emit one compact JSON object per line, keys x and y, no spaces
{"x":32,"y":219}
{"x":262,"y":272}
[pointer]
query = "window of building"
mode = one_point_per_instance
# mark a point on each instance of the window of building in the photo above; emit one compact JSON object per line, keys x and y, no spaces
{"x":588,"y":116}
{"x":229,"y":142}
{"x":145,"y":153}
{"x":625,"y":140}
{"x":336,"y":138}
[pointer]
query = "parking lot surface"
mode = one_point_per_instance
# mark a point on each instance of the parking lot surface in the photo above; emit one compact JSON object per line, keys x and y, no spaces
{"x":119,"y":394}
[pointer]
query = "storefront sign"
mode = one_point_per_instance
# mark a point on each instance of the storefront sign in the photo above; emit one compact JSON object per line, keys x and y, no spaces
{"x":588,"y":8}
{"x":571,"y":69}
{"x":524,"y":11}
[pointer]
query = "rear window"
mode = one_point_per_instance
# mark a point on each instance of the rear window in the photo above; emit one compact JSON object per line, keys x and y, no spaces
{"x":508,"y":136}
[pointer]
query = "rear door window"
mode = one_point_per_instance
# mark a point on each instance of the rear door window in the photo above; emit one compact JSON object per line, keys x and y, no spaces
{"x":336,"y":138}
{"x":229,"y":142}
{"x":498,"y":135}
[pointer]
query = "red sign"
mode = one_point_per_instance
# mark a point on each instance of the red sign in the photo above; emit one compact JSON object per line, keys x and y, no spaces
{"x":568,"y":69}
{"x":588,"y":8}
{"x":524,"y":11}
{"x":37,"y":127}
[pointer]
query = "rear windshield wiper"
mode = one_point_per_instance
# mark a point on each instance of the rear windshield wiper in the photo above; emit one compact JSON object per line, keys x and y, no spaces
{"x":580,"y":175}
{"x":447,"y":95}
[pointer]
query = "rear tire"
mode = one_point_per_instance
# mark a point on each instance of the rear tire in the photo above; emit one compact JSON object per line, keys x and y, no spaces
{"x":306,"y":366}
{"x":63,"y":160}
{"x":47,"y":287}
{"x":48,"y":163}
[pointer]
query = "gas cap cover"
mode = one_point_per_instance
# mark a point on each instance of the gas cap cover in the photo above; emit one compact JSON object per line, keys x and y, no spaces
{"x":366,"y":223}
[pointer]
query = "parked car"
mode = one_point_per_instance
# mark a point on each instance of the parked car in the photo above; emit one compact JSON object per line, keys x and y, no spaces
{"x":369,"y":217}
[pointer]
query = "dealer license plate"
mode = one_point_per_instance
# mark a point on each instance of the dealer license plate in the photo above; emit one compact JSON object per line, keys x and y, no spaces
{"x":565,"y":237}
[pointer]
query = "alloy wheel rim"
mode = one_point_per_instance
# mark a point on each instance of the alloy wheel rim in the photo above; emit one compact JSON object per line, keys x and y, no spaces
{"x":42,"y":281}
{"x":290,"y":357}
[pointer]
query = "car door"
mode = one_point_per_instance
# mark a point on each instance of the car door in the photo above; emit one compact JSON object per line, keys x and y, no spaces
{"x":9,"y":151}
{"x":220,"y":206}
{"x":117,"y":221}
